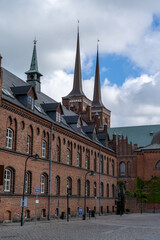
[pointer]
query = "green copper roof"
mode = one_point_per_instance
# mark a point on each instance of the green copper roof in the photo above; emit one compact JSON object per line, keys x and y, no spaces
{"x":141,"y":135}
{"x":34,"y":62}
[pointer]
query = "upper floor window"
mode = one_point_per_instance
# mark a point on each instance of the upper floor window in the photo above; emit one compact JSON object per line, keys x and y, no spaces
{"x":95,"y":189}
{"x":122,"y":169}
{"x":78,"y":159}
{"x":87,"y":188}
{"x":79,"y":187}
{"x":102,"y":189}
{"x":7,"y":180}
{"x":9,"y":138}
{"x":28,"y":182}
{"x":69,"y":185}
{"x":43,"y":149}
{"x":95,"y":163}
{"x":68,"y":156}
{"x":112,"y":167}
{"x":28,"y":144}
{"x":30,"y":102}
{"x":107,"y":165}
{"x":58,"y":150}
{"x":58,"y":117}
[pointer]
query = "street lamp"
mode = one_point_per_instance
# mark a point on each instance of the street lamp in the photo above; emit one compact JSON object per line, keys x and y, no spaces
{"x":85,"y":197}
{"x":35,"y":157}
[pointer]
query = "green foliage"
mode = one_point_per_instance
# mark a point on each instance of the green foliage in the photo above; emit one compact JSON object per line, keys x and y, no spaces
{"x":141,"y":190}
{"x":153,"y":190}
{"x":129,"y":193}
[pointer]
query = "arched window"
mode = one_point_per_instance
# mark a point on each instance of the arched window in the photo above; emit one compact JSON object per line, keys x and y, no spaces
{"x":9,"y":179}
{"x":58,"y":150}
{"x":44,"y":183}
{"x":107,"y":190}
{"x":87,"y":160}
{"x":58,"y":185}
{"x":78,"y":159}
{"x":87,"y":188}
{"x":95,"y":163}
{"x":43,"y":149}
{"x":9,"y":138}
{"x":158,"y":165}
{"x":113,"y":192}
{"x":30,"y":140}
{"x":122,"y":169}
{"x":102,"y":189}
{"x":28,"y":144}
{"x":107,"y":165}
{"x":28,"y":183}
{"x":95,"y":189}
{"x":69,"y":185}
{"x":101,"y":164}
{"x":79,"y":187}
{"x":112,"y":167}
{"x":68,"y":156}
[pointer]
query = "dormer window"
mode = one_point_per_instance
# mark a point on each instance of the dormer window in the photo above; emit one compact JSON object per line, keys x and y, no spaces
{"x":58,"y":117}
{"x":30,"y":102}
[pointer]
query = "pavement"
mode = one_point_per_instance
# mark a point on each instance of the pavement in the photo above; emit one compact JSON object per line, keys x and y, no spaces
{"x":144,"y":226}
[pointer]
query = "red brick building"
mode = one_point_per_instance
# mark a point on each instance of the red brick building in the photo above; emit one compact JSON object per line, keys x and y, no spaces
{"x":70,"y":145}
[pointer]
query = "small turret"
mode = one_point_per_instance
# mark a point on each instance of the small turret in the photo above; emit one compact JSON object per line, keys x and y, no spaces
{"x":33,"y":75}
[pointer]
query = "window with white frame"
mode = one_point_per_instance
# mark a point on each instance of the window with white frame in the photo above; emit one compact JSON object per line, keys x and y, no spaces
{"x":43,"y":149}
{"x":28,"y":144}
{"x":122,"y":169}
{"x":78,"y":162}
{"x":26,"y":183}
{"x":87,"y":162}
{"x":58,"y":117}
{"x":9,"y":138}
{"x":42,"y":183}
{"x":68,"y":156}
{"x":7,"y":180}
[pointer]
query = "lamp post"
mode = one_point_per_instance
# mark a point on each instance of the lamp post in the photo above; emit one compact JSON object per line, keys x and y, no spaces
{"x":35,"y":157}
{"x":85,"y":196}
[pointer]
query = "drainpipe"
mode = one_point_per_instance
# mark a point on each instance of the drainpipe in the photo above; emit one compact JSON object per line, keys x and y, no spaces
{"x":50,"y":175}
{"x":100,"y":181}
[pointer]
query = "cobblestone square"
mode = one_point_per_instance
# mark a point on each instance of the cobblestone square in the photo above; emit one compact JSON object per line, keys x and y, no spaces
{"x":111,"y":227}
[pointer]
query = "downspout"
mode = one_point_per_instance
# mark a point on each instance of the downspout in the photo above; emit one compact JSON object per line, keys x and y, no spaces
{"x":50,"y":174}
{"x":100,"y":181}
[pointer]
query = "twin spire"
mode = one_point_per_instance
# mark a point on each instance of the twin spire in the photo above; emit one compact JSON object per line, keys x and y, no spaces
{"x":77,"y":83}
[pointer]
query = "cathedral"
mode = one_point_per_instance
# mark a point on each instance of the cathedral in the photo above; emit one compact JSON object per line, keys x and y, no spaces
{"x":60,"y":160}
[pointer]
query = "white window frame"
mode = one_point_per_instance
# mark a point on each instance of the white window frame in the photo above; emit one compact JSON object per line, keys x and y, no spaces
{"x":26,"y":183}
{"x":42,"y":183}
{"x":7,"y":180}
{"x":43,"y":149}
{"x":9,"y":138}
{"x":68,"y":156}
{"x":28,"y":143}
{"x":78,"y":157}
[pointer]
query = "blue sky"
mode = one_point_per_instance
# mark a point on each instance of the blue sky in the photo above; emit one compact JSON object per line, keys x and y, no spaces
{"x":129,"y":50}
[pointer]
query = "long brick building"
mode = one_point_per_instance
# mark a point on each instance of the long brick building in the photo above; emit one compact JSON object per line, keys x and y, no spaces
{"x":70,"y":139}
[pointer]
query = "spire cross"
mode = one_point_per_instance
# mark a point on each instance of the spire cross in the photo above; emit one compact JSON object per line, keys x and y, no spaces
{"x":35,"y":41}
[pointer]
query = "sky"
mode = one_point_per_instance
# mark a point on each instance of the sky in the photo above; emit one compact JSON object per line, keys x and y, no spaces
{"x":129,"y":50}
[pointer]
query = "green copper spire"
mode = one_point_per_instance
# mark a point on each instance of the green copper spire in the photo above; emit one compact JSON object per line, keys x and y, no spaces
{"x":33,"y":75}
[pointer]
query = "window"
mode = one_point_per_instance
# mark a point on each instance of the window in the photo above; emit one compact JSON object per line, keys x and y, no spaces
{"x":112,"y":167}
{"x":122,"y":169}
{"x":58,"y":150}
{"x":158,"y":165}
{"x":107,"y":190}
{"x":30,"y":102}
{"x":101,"y":164}
{"x":42,"y":183}
{"x":27,"y":214}
{"x":87,"y":188}
{"x":107,"y":165}
{"x":43,"y":149}
{"x":95,"y":189}
{"x":113,"y":190}
{"x":102,"y":189}
{"x":7,"y":180}
{"x":87,"y":160}
{"x":79,"y":187}
{"x":9,"y":138}
{"x":43,"y":213}
{"x":95,"y":163}
{"x":28,"y":144}
{"x":78,"y":160}
{"x":58,"y":117}
{"x":68,"y":156}
{"x":58,"y":185}
{"x":69,"y":185}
